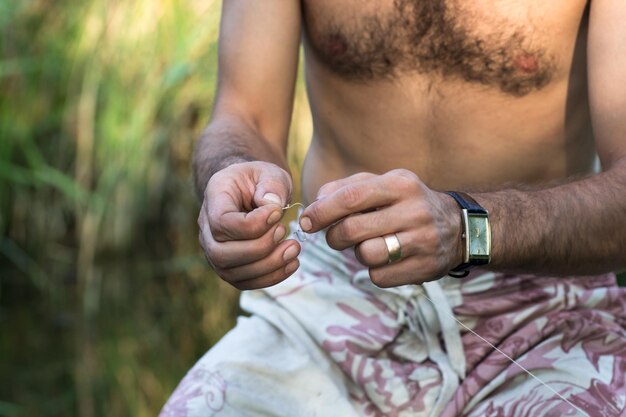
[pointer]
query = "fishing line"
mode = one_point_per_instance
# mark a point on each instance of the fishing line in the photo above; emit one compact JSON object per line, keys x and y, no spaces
{"x":510,"y":359}
{"x":299,"y":233}
{"x":288,"y":206}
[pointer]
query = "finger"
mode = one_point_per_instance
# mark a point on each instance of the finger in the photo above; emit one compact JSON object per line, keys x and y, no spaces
{"x":273,"y":187}
{"x":233,"y":253}
{"x":279,"y":258}
{"x":374,"y":252}
{"x":350,"y":199}
{"x":230,"y":206}
{"x":270,"y":279}
{"x":238,"y":225}
{"x":204,"y":248}
{"x":229,"y":191}
{"x":423,"y":242}
{"x":414,"y":270}
{"x":357,"y":228}
{"x":333,"y":186}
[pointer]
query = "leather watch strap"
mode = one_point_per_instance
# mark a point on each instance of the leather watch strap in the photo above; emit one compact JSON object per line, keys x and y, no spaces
{"x":466,"y":201}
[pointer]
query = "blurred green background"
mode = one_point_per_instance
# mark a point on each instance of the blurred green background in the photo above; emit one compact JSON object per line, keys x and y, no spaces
{"x":105,"y":297}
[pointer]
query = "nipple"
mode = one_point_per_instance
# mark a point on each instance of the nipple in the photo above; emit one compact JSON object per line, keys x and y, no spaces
{"x":527,"y":63}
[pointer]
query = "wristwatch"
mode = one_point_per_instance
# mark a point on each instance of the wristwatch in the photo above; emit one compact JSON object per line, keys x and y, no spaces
{"x":476,"y":234}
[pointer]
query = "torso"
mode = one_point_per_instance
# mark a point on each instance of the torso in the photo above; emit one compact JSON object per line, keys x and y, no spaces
{"x":469,"y":95}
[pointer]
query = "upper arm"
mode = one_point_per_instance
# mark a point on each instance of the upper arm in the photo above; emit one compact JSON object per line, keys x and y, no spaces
{"x":607,"y":78}
{"x":258,"y":60}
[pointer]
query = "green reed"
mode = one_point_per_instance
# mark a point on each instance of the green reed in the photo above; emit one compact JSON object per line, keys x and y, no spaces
{"x":105,"y":298}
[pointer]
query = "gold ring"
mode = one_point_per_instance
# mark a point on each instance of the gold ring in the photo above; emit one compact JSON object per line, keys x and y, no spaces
{"x":393,"y":248}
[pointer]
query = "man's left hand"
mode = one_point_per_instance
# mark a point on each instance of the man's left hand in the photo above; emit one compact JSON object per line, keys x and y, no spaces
{"x":360,"y":210}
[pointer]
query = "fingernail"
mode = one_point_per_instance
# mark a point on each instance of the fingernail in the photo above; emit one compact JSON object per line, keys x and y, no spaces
{"x":279,"y":233}
{"x":274,"y":217}
{"x":290,"y":253}
{"x":273,"y":198}
{"x":305,"y":224}
{"x":289,"y":269}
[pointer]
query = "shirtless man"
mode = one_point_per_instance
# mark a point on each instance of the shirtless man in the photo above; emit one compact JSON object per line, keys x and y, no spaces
{"x":410,"y":99}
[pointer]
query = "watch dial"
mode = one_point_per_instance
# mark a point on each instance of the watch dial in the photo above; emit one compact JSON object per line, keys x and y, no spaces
{"x":479,"y":235}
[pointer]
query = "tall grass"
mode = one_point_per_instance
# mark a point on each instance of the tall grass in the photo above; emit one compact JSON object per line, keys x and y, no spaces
{"x":105,"y":298}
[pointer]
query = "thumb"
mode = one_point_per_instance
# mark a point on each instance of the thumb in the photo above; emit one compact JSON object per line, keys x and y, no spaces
{"x":273,"y":188}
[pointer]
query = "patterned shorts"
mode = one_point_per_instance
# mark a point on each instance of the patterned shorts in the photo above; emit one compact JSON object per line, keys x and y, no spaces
{"x":327,"y":342}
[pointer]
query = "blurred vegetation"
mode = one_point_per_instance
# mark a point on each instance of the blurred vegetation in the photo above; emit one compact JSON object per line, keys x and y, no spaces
{"x":105,"y":297}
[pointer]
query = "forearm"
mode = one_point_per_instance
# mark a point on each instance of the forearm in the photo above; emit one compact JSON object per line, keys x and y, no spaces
{"x":226,"y":141}
{"x":574,"y":228}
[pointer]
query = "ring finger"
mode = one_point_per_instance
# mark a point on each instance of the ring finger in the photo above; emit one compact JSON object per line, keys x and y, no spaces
{"x":374,"y":252}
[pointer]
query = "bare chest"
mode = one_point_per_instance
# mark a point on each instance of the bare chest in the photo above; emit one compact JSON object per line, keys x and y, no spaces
{"x":516,"y":46}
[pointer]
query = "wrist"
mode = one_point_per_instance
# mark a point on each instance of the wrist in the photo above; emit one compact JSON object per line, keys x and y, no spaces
{"x":455,"y":225}
{"x":476,"y":234}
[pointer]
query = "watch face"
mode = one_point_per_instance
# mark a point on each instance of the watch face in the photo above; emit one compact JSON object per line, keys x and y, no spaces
{"x":479,"y":236}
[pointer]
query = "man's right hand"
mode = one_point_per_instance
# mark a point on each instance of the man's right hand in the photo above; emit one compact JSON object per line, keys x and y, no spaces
{"x":239,"y":224}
